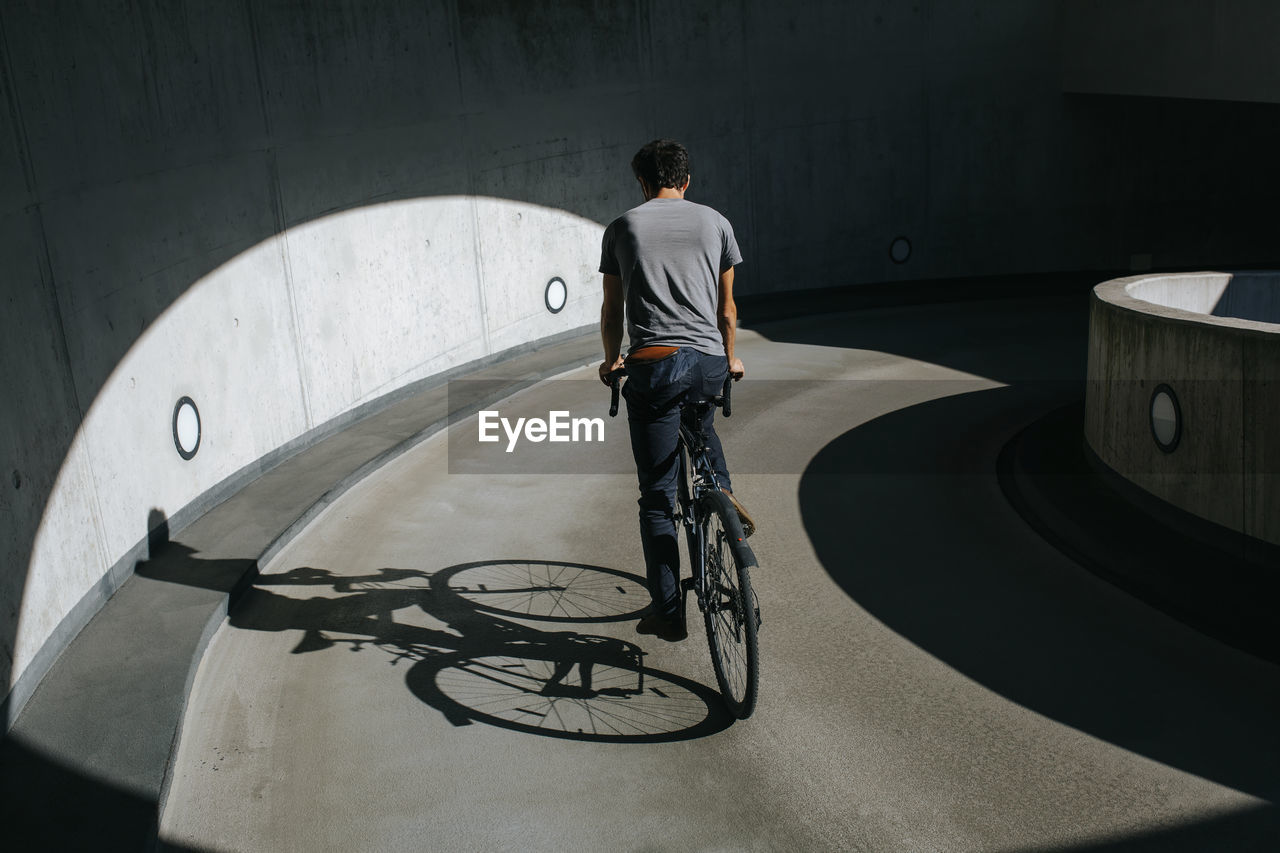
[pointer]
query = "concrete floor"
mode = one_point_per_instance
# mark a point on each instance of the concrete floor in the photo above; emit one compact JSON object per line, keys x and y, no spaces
{"x":934,"y":675}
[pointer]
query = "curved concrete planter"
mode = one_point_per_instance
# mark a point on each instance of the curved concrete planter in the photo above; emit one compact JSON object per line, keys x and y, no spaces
{"x":1213,"y":341}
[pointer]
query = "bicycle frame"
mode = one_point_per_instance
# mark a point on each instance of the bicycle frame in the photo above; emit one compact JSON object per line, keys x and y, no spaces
{"x":694,"y":484}
{"x":696,"y":479}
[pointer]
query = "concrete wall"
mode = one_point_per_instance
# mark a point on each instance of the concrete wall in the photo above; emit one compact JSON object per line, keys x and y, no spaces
{"x":1220,"y":49}
{"x":1246,"y":296}
{"x":1225,"y":372}
{"x":286,"y":209}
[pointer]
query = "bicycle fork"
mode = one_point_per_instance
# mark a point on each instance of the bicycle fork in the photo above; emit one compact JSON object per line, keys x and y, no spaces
{"x":711,"y":599}
{"x":697,"y":583}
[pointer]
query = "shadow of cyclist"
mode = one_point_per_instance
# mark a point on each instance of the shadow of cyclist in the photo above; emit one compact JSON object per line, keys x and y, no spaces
{"x":531,"y":662}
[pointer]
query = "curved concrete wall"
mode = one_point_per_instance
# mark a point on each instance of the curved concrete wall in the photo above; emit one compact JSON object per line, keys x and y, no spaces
{"x":283,"y":340}
{"x":219,"y":201}
{"x":1190,"y":332}
{"x":1243,"y":295}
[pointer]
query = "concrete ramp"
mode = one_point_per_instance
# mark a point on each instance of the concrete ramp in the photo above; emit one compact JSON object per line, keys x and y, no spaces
{"x":446,"y":659}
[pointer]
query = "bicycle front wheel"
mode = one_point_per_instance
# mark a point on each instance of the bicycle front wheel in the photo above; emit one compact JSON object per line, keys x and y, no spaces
{"x":731,"y":611}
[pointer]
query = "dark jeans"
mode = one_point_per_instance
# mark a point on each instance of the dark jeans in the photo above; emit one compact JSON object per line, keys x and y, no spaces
{"x":654,"y":391}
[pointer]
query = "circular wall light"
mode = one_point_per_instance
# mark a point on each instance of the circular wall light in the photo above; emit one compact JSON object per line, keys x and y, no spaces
{"x":186,"y":428}
{"x":899,"y":250}
{"x":1166,"y":418}
{"x":556,"y":295}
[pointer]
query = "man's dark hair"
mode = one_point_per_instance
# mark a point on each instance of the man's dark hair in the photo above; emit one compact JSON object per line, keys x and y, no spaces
{"x":662,"y":163}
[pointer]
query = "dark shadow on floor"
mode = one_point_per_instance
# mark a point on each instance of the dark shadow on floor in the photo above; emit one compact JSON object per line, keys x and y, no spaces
{"x":479,"y":667}
{"x":99,"y":816}
{"x":986,"y":337}
{"x":906,"y":514}
{"x":180,"y":564}
{"x":1208,"y":577}
{"x":85,"y":814}
{"x":1250,"y":831}
{"x":83,"y":767}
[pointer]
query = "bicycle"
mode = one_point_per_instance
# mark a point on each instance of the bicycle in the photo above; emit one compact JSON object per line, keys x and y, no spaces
{"x":719,"y":557}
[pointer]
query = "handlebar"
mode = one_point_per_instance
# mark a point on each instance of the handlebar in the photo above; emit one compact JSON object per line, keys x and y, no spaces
{"x":615,"y":386}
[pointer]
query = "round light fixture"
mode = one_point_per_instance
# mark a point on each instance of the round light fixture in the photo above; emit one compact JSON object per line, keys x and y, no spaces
{"x":900,"y":250}
{"x":556,"y":295}
{"x":1166,"y":418}
{"x":186,"y":428}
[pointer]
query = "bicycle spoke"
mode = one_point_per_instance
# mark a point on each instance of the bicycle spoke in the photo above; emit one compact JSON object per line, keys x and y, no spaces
{"x":553,"y":591}
{"x":522,"y":693}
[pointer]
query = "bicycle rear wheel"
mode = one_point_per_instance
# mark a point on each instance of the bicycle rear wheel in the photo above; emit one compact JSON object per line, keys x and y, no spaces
{"x":732,"y":612}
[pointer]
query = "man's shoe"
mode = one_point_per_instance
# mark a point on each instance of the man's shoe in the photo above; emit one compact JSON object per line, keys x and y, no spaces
{"x":664,"y":627}
{"x":748,"y":525}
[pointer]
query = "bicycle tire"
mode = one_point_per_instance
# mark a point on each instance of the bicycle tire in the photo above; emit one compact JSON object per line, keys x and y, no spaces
{"x":732,"y":611}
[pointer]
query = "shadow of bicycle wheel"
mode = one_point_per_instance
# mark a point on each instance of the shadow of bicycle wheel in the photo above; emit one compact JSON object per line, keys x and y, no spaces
{"x":566,"y":690}
{"x":547,"y":591}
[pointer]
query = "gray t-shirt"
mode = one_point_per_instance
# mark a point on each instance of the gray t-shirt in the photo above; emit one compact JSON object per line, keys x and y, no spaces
{"x":669,"y":253}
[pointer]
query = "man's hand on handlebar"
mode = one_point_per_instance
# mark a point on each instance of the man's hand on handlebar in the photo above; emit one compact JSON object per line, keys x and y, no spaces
{"x":736,"y":370}
{"x":606,"y":369}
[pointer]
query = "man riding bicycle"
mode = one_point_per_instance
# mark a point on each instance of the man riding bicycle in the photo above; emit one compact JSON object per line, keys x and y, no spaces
{"x":668,"y":265}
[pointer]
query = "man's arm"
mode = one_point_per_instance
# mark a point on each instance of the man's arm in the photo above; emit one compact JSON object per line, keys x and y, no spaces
{"x":727,"y":320}
{"x":611,"y":326}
